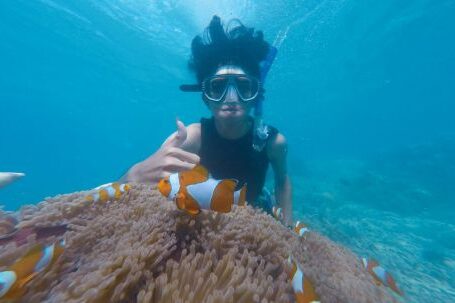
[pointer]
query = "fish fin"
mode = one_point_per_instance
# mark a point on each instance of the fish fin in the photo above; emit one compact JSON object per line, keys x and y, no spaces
{"x":192,"y":207}
{"x":187,"y":202}
{"x":180,"y":200}
{"x":309,"y":293}
{"x":223,"y":196}
{"x":300,"y":298}
{"x":196,"y":175}
{"x":164,"y":187}
{"x":202,"y":171}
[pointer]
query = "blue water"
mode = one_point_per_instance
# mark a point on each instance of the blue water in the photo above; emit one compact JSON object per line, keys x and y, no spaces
{"x":363,"y":90}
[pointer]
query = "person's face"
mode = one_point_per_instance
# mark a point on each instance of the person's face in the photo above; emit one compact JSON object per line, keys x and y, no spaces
{"x":231,"y":107}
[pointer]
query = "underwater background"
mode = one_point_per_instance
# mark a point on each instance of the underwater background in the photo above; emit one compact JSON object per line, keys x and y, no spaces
{"x":364,"y":91}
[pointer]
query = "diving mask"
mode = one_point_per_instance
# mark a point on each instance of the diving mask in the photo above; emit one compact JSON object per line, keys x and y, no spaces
{"x":215,"y":87}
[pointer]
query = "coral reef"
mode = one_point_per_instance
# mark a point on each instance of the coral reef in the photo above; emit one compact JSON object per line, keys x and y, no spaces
{"x":141,"y":248}
{"x":7,"y":223}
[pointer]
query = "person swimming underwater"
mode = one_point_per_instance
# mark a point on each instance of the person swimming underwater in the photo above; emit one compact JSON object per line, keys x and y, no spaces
{"x":227,"y":62}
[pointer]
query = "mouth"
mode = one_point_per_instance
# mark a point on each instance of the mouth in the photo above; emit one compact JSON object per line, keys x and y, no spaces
{"x":230,"y":109}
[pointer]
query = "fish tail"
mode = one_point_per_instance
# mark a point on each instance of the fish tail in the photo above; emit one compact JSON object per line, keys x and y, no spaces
{"x":126,"y":187}
{"x":223,"y":196}
{"x":393,"y":286}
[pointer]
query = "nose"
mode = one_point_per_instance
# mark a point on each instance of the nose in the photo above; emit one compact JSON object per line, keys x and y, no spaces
{"x":231,"y":95}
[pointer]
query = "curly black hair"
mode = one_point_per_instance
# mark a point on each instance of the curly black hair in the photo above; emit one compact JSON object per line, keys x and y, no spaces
{"x":237,"y":44}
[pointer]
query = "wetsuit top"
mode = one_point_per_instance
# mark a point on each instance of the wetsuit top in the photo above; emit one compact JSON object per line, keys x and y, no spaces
{"x":236,"y":159}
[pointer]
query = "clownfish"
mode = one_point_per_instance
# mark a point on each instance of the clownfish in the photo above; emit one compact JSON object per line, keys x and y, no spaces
{"x":300,"y":228}
{"x":303,"y":288}
{"x":380,"y":275}
{"x":277,"y":213}
{"x":106,"y":192}
{"x":194,"y":190}
{"x":37,"y":259}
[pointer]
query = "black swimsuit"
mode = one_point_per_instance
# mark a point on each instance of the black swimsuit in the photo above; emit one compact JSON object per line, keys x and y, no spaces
{"x":236,"y":159}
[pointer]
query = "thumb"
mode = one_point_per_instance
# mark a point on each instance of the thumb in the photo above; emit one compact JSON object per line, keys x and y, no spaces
{"x":180,"y":136}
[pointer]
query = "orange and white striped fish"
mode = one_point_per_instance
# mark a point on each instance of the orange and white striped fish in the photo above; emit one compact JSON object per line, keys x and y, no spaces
{"x":380,"y":275}
{"x":303,"y":288}
{"x":106,"y":192}
{"x":194,"y":190}
{"x":277,"y":213}
{"x":300,"y":228}
{"x":37,"y":259}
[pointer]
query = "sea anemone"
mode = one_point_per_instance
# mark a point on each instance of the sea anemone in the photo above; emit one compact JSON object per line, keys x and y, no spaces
{"x":141,"y":248}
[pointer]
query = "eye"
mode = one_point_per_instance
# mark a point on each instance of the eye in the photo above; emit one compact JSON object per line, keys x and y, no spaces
{"x":217,"y":85}
{"x":245,"y":86}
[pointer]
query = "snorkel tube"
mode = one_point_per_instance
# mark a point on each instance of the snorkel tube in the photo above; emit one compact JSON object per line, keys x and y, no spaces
{"x":261,"y":131}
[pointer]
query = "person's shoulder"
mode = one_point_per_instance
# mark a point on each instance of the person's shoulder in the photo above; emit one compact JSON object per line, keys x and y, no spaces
{"x":277,"y":146}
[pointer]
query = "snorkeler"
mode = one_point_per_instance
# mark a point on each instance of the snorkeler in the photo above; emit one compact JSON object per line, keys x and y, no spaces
{"x":229,"y":66}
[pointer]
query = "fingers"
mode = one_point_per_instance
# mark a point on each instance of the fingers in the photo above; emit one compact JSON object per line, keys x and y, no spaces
{"x":183,"y":155}
{"x":181,"y":133}
{"x":147,"y":172}
{"x":178,"y":138}
{"x":176,"y":166}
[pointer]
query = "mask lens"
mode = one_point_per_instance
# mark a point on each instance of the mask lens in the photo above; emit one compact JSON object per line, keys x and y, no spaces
{"x":246,"y":87}
{"x":215,"y":87}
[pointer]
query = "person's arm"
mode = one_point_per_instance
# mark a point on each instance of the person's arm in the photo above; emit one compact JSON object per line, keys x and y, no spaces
{"x":177,"y":153}
{"x":277,"y":153}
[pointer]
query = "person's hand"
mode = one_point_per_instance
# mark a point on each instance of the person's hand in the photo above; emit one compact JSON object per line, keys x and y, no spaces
{"x":170,"y":158}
